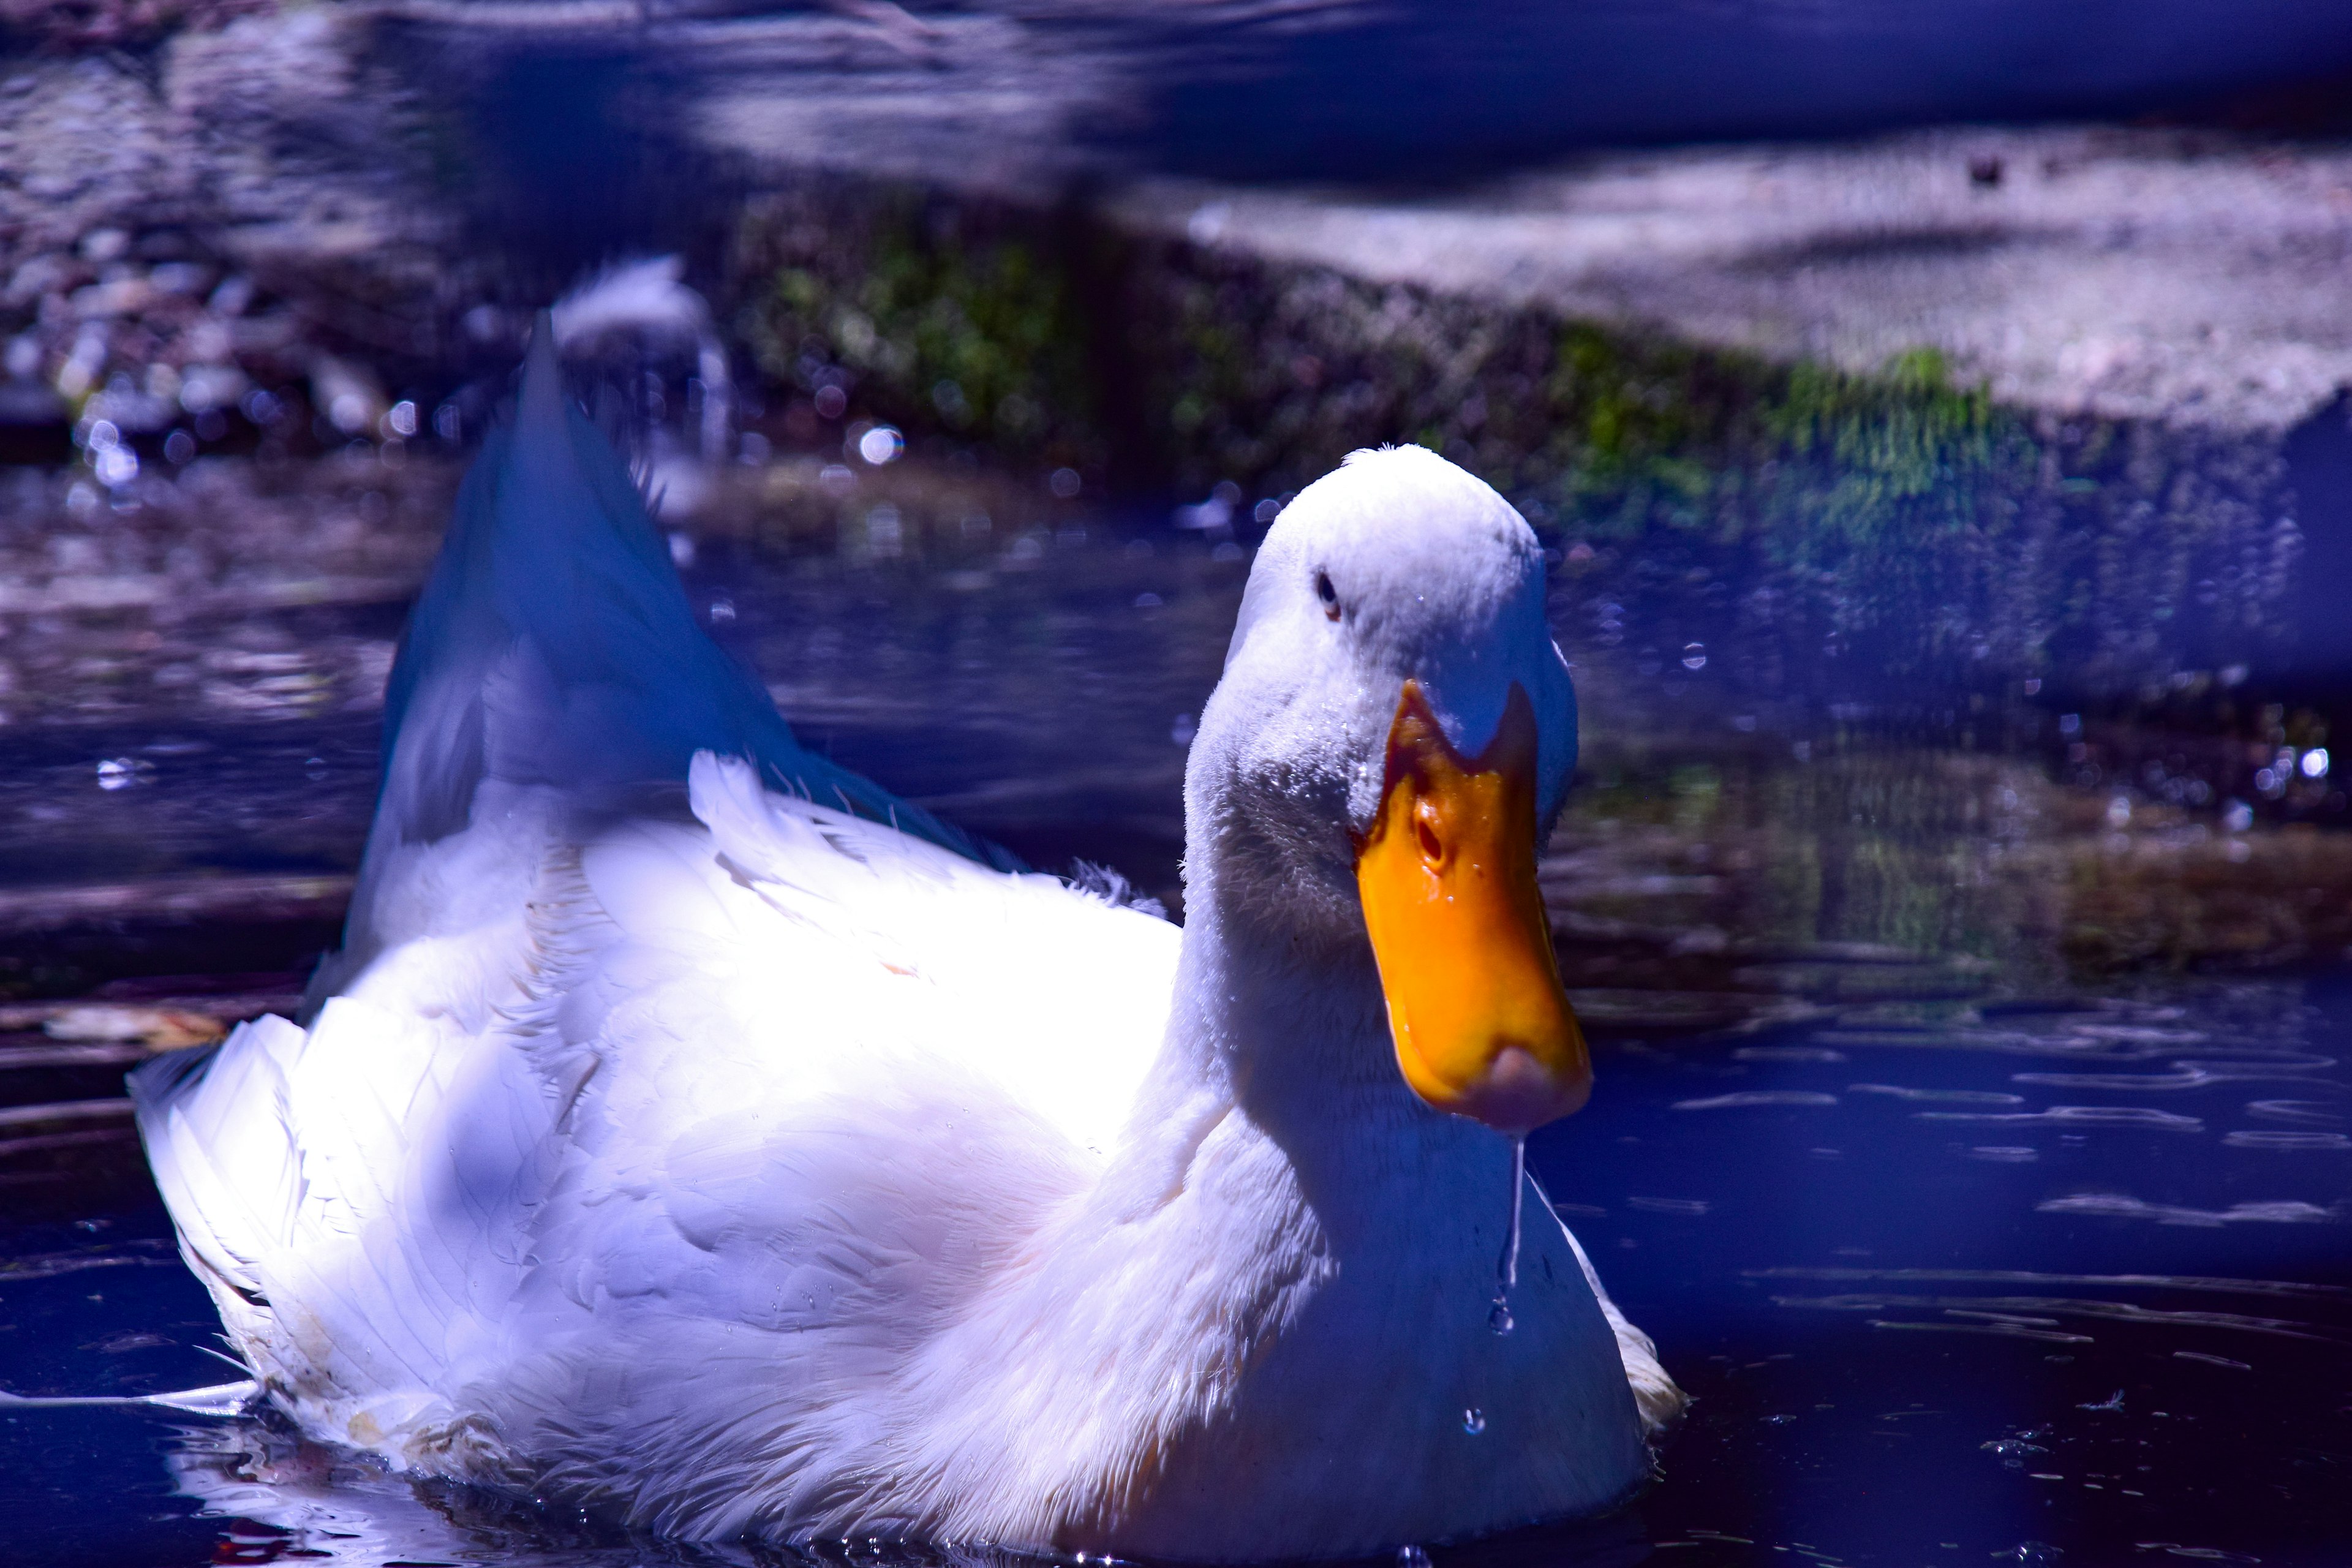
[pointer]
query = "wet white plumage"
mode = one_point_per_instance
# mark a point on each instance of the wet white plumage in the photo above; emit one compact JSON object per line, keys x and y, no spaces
{"x":739,"y":1163}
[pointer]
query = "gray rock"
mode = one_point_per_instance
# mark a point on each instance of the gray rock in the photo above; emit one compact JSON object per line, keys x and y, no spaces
{"x":2191,"y":279}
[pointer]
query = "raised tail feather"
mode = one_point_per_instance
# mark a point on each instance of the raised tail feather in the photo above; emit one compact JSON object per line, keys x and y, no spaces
{"x":554,"y":645}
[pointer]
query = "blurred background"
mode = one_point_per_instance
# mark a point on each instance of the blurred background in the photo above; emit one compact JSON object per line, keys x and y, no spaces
{"x":1938,"y":418}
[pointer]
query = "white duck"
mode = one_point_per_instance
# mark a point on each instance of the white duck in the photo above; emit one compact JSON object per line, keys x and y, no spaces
{"x":738,"y":1162}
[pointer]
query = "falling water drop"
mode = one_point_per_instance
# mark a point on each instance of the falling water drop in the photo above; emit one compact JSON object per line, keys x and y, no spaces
{"x":1507,"y":1268}
{"x":1474,"y":1421}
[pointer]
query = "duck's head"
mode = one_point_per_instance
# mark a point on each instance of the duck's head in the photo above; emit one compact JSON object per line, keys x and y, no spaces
{"x":1391,"y":742}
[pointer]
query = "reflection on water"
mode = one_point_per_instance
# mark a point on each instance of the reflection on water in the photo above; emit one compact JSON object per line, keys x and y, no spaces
{"x":1974,"y":1228}
{"x":1955,"y":1296}
{"x":192,"y":675}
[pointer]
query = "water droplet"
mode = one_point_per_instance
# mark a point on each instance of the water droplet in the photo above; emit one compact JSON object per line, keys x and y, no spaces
{"x":1499,"y":1320}
{"x":1474,"y":1421}
{"x":1506,"y":1267}
{"x":115,"y":466}
{"x":1412,"y":1557}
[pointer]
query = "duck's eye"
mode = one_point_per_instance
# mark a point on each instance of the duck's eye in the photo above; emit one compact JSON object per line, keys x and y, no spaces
{"x":1328,"y":595}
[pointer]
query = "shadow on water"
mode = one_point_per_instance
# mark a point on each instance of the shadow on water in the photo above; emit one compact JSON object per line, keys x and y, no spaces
{"x":1317,"y":101}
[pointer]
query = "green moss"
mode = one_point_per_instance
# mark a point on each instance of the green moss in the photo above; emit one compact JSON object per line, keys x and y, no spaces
{"x":939,"y":320}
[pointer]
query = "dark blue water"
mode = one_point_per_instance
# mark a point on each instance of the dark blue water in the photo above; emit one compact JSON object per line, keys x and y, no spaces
{"x":1995,"y":1261}
{"x":2072,"y":1280}
{"x":2076,"y":1279}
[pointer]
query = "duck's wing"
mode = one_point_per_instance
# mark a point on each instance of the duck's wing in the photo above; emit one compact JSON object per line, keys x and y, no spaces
{"x":671,"y":1076}
{"x":1056,"y":997}
{"x":778,"y":1088}
{"x":835,"y":1082}
{"x":337,"y":1190}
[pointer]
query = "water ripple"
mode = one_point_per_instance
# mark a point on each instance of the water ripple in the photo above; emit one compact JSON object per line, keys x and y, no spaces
{"x":2078,"y":1115}
{"x":2291,"y":1110}
{"x":1946,"y":1096}
{"x":2121,"y":1205}
{"x":1757,"y":1097}
{"x":2254,"y":1140}
{"x":2018,"y":1312}
{"x":2187,"y":1074}
{"x":2204,"y":1283}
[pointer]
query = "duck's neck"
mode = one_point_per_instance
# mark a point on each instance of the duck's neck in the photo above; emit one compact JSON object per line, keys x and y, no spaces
{"x":1277,"y":1114}
{"x":1290,"y":1249}
{"x":1296,"y":1036}
{"x":1288,"y":1261}
{"x":1291,"y":1038}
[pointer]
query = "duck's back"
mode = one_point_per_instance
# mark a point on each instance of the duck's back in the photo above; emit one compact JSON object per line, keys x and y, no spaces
{"x":657,"y":1113}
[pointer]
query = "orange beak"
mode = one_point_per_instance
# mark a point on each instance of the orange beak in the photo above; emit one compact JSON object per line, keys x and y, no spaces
{"x":1448,"y":878}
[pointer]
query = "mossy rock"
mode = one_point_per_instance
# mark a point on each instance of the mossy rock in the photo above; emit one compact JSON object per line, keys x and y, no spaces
{"x":956,"y":324}
{"x":1827,"y":533}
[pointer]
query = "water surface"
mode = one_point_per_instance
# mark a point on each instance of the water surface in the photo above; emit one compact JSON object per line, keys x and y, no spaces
{"x":1958,"y":1133}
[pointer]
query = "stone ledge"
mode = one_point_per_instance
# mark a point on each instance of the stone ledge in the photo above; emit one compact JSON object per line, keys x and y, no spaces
{"x":2192,"y":279}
